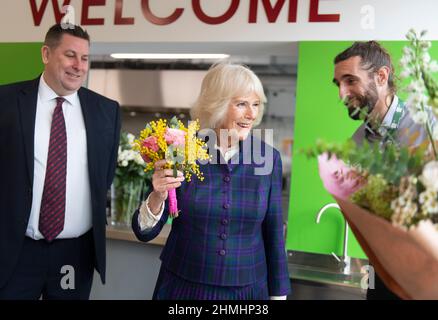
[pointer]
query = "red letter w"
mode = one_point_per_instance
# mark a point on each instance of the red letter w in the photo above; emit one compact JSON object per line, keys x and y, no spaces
{"x":39,"y":13}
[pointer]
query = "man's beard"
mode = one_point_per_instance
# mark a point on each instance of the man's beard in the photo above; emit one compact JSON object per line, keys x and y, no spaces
{"x":360,"y":106}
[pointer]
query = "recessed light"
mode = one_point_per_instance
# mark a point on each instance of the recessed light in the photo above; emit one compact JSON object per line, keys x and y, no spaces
{"x":169,"y":56}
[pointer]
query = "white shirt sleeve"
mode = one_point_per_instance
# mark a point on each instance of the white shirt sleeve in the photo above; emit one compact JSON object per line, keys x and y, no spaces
{"x":277,"y":297}
{"x":146,"y":219}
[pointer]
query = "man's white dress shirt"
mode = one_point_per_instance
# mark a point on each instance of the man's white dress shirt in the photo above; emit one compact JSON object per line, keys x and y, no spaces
{"x":78,"y":212}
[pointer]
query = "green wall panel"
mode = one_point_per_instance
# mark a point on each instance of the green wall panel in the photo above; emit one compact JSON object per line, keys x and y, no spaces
{"x":19,"y":61}
{"x":320,"y":114}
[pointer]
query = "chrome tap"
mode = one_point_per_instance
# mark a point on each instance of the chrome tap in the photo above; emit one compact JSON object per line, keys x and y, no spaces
{"x":345,"y":258}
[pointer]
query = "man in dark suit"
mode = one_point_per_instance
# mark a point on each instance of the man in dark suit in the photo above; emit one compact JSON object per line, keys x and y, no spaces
{"x":58,"y":145}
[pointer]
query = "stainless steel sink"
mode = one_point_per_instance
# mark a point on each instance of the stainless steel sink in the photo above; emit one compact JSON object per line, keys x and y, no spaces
{"x":323,"y":268}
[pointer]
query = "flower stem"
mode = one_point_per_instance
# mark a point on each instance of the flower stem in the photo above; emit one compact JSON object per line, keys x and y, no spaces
{"x":429,"y":133}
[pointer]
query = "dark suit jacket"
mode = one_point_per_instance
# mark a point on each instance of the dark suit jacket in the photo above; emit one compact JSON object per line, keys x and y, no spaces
{"x":18,"y":104}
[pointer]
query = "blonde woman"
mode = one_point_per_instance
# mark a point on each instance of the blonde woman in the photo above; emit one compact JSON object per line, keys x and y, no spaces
{"x":227,"y":242}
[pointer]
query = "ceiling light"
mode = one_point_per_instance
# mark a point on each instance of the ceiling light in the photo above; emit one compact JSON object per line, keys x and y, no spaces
{"x":168,"y":56}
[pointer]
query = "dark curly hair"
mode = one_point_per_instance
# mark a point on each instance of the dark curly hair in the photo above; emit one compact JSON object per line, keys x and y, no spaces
{"x":373,"y":57}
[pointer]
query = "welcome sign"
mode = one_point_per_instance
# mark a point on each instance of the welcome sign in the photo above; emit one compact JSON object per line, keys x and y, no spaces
{"x":220,"y":20}
{"x":272,"y":11}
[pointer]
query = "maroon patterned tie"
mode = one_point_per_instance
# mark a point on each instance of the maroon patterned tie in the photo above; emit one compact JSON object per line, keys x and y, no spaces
{"x":52,"y":211}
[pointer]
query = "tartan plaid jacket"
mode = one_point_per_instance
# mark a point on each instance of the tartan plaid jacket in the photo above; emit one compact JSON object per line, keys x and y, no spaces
{"x":230,"y":228}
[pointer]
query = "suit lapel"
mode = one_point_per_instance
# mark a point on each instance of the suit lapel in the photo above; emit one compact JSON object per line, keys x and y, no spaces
{"x":90,"y":127}
{"x":27,"y":105}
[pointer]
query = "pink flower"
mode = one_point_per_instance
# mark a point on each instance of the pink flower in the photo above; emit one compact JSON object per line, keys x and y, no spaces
{"x":338,"y":179}
{"x":175,"y":137}
{"x":151,"y":143}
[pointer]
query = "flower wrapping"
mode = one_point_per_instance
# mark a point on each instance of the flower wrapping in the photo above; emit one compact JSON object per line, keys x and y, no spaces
{"x":406,"y":260}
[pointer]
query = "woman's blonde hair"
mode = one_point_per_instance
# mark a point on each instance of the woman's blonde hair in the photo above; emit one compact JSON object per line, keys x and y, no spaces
{"x":222,"y":83}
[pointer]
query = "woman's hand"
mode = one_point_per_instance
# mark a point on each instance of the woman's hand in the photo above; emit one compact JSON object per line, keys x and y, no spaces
{"x":162,"y":182}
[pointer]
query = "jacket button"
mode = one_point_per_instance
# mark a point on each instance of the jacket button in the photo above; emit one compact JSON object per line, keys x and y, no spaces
{"x":224,"y":236}
{"x":227,"y":178}
{"x":224,"y":222}
{"x":226,"y":206}
{"x":222,"y":252}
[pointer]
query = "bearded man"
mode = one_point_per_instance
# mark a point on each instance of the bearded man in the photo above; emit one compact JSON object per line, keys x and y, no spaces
{"x":364,"y":75}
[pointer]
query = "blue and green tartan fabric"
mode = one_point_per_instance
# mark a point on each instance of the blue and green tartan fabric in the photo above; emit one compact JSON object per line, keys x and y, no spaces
{"x":230,"y":228}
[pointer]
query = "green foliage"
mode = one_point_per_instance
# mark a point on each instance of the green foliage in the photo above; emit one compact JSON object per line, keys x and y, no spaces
{"x":376,"y":196}
{"x":341,"y":150}
{"x":173,"y":123}
{"x":391,"y":163}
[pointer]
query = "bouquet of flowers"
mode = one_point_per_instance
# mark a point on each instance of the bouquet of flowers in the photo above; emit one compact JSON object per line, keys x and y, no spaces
{"x":390,"y":196}
{"x":129,"y":182}
{"x":177,"y":144}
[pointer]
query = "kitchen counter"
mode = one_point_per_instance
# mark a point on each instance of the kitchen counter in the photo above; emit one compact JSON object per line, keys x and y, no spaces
{"x":125,"y":233}
{"x":326,"y":269}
